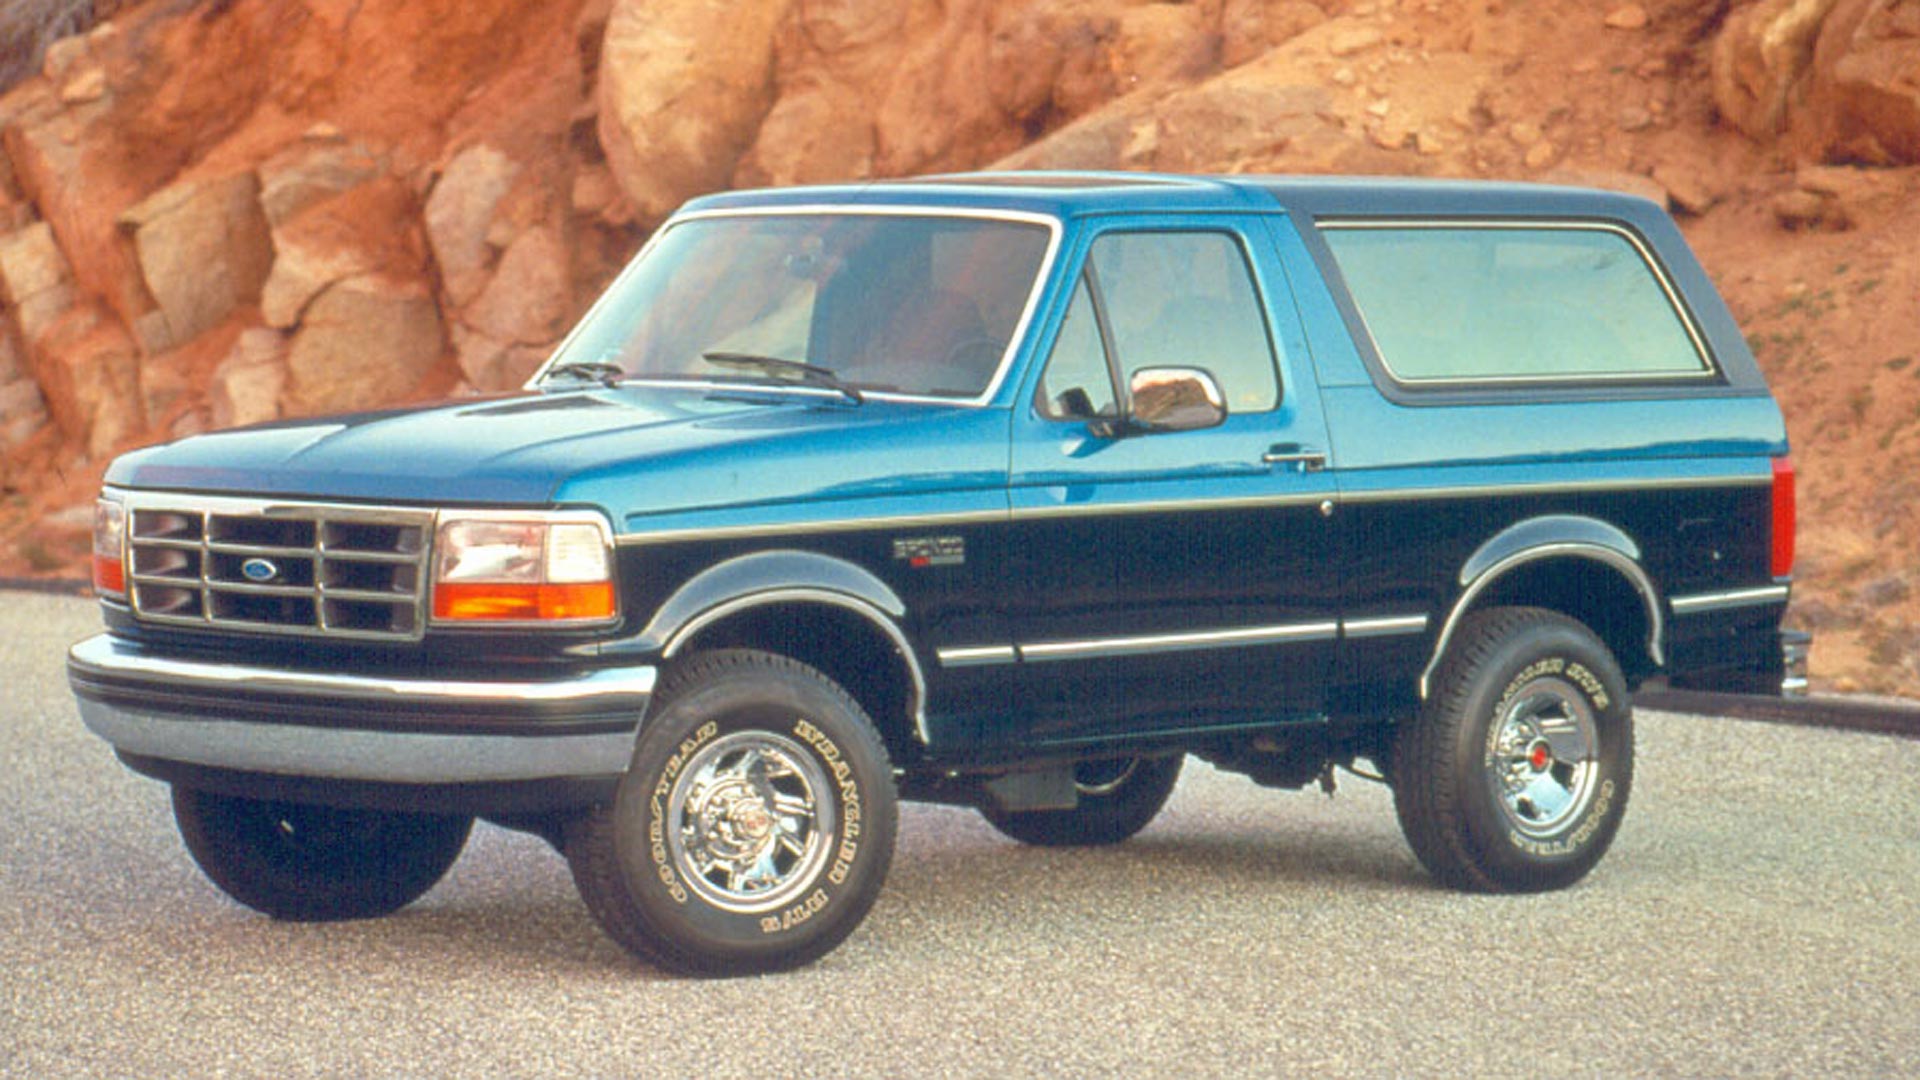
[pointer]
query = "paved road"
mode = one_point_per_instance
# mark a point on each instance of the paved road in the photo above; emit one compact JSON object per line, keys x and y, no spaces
{"x":1759,"y":914}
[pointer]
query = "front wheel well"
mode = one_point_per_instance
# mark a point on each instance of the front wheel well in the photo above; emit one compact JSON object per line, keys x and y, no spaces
{"x":1590,"y":592}
{"x":844,"y":644}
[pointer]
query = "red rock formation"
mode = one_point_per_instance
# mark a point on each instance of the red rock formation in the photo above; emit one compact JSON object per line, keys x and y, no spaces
{"x":227,"y":212}
{"x":1839,"y":78}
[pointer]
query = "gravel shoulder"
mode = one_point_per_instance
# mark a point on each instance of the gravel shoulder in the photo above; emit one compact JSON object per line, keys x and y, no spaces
{"x":1759,"y":914}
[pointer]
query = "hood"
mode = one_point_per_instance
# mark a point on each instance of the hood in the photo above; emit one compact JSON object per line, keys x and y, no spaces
{"x":526,"y":449}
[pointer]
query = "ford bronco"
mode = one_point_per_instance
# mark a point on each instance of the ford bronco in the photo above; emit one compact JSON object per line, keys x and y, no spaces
{"x":1004,"y":490}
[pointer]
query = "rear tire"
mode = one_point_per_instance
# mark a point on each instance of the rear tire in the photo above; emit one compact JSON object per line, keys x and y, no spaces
{"x":307,"y":863}
{"x":1118,"y":798}
{"x":755,"y":827}
{"x":1515,"y":775}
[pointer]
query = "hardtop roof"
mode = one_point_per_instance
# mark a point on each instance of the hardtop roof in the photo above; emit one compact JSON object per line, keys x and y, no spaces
{"x":1075,"y":194}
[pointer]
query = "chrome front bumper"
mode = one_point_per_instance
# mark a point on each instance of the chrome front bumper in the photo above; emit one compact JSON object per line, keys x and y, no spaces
{"x":404,"y":730}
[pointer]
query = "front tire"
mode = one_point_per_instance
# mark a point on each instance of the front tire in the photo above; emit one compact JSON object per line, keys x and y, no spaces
{"x":755,"y":827}
{"x":307,"y":863}
{"x":1515,"y":775}
{"x":1117,"y":798}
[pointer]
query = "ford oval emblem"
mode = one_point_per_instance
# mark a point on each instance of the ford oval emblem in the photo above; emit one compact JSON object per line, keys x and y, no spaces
{"x":259,"y":570}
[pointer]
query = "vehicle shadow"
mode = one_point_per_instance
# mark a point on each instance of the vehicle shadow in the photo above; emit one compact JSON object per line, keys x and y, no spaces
{"x":509,"y":905}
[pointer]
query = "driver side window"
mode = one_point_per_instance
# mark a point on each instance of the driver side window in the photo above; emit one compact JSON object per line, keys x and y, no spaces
{"x":1160,"y":299}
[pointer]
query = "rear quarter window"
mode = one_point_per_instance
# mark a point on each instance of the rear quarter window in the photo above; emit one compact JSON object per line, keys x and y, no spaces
{"x":1452,"y":305}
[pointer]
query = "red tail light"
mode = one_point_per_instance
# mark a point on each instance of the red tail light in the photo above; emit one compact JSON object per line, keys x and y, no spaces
{"x":1783,"y":514}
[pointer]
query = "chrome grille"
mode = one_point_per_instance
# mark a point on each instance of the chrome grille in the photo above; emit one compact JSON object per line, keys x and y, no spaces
{"x":283,"y":568}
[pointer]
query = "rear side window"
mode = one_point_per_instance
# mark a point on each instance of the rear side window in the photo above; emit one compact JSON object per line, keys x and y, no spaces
{"x":1520,"y":303}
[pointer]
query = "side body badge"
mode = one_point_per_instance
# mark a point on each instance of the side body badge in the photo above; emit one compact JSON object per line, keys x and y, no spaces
{"x":921,"y":552}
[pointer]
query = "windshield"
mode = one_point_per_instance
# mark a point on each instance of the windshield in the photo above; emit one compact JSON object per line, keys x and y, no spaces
{"x":889,"y":303}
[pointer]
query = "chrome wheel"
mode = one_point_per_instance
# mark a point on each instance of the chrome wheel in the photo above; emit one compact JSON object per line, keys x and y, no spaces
{"x":1541,"y":755}
{"x":750,"y":821}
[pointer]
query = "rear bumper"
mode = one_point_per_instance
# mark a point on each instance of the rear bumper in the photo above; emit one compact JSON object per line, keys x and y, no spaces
{"x":1764,"y":663}
{"x":1794,"y":647}
{"x":400,"y":729}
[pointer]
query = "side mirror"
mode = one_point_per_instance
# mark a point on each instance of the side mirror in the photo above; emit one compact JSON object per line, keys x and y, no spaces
{"x":1175,"y":399}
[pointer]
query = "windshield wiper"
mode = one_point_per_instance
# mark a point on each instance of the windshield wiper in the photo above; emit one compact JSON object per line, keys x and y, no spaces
{"x":606,"y":373}
{"x":780,"y":366}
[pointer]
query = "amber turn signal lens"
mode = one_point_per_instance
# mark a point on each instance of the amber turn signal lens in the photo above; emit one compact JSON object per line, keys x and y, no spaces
{"x":502,"y":602}
{"x":109,"y":542}
{"x":108,"y":575}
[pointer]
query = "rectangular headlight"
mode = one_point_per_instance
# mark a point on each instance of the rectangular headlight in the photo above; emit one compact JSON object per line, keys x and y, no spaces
{"x":523,"y":568}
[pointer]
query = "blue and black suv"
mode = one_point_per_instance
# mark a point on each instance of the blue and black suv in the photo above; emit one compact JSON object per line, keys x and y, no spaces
{"x":1010,"y":490}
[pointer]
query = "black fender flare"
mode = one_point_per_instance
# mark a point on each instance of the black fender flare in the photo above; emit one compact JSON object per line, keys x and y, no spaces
{"x":1545,"y":537}
{"x":786,"y":577}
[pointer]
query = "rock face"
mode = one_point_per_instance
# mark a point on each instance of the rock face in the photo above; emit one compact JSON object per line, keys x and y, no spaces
{"x":1761,"y":58}
{"x":494,"y":161}
{"x":672,"y":120}
{"x":23,"y":409}
{"x":459,"y":213}
{"x":831,"y":89}
{"x":34,"y":279}
{"x":1840,"y":79}
{"x":234,"y":211}
{"x":89,"y":370}
{"x":1864,"y":101}
{"x":185,"y":177}
{"x":203,"y":251}
{"x":365,"y":229}
{"x":528,"y":300}
{"x":362,"y":339}
{"x":247,"y":384}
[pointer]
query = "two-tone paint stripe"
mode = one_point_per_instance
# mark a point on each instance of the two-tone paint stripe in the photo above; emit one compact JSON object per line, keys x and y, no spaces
{"x":1016,"y":514}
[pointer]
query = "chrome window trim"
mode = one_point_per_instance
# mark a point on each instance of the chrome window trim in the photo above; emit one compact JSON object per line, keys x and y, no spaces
{"x":1637,"y":577}
{"x":692,"y":627}
{"x":1144,"y":644}
{"x":1709,"y":370}
{"x":1728,"y":599}
{"x":1055,"y":230}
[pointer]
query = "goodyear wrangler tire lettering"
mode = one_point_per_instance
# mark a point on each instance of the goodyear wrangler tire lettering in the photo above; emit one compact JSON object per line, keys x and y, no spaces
{"x":755,"y":826}
{"x":1515,"y":776}
{"x":849,"y":848}
{"x":656,"y":832}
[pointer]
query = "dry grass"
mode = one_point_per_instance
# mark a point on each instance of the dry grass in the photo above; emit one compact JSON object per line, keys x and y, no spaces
{"x":27,"y":27}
